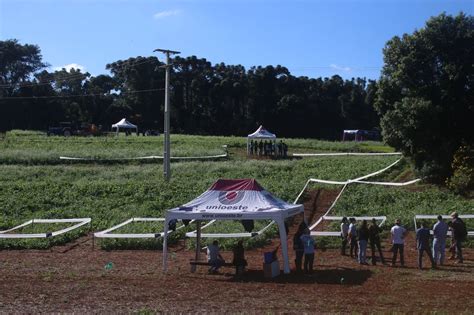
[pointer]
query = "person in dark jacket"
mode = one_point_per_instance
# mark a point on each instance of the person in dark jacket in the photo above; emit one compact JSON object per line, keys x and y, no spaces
{"x":239,"y":257}
{"x":363,"y":238}
{"x":374,"y":240}
{"x":423,"y":245}
{"x":298,"y":247}
{"x":459,"y":234}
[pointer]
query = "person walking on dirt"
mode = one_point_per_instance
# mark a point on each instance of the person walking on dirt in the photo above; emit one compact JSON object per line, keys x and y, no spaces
{"x":423,"y":245}
{"x":308,"y":243}
{"x":363,"y":238}
{"x":298,"y":247}
{"x":440,"y":231}
{"x":398,"y":233}
{"x":344,"y":235}
{"x":459,"y":234}
{"x":374,"y":240}
{"x":352,"y":236}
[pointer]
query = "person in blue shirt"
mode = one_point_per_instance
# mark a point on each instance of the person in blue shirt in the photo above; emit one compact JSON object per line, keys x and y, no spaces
{"x":308,"y":243}
{"x":423,"y":245}
{"x":440,"y":231}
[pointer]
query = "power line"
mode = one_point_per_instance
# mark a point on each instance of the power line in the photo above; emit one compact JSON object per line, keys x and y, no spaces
{"x":77,"y":95}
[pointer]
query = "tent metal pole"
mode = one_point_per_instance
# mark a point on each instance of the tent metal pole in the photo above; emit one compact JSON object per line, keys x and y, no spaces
{"x":198,"y":244}
{"x":165,"y":246}
{"x":284,"y":245}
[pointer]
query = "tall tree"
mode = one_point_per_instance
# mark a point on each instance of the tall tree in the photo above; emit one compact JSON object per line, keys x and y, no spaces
{"x":425,"y":94}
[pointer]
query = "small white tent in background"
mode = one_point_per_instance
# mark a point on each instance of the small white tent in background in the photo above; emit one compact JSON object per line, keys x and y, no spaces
{"x":124,"y":124}
{"x":260,"y":133}
{"x":235,"y":199}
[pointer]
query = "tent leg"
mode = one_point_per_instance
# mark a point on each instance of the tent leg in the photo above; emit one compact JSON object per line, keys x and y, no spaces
{"x":198,"y":244}
{"x":284,"y":246}
{"x":165,"y":246}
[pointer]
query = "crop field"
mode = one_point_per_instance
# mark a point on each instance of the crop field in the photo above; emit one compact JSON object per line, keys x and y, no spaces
{"x":34,"y":183}
{"x":74,"y":276}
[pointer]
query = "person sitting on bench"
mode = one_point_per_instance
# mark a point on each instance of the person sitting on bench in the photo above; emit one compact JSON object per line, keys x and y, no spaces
{"x":239,"y":258}
{"x":214,"y":258}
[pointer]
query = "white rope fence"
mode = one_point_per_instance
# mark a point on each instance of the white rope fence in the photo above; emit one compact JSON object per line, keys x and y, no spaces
{"x":151,"y":157}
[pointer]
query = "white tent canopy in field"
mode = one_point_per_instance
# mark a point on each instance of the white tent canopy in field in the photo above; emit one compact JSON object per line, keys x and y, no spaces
{"x":236,"y":199}
{"x":260,"y":133}
{"x":124,"y":124}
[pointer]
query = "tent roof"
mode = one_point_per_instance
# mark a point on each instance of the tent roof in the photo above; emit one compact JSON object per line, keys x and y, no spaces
{"x":235,"y":199}
{"x":123,"y":123}
{"x":262,"y":133}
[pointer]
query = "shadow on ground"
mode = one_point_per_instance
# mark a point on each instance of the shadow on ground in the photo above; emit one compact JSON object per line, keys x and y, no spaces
{"x":345,"y":276}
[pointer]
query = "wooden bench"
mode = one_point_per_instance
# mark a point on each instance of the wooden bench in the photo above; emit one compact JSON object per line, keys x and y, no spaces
{"x":238,"y":270}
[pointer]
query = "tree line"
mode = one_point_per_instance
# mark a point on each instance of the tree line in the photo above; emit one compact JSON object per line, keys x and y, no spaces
{"x":215,"y":99}
{"x":423,"y":101}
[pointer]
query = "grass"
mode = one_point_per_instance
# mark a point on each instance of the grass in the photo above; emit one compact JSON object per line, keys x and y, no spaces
{"x":34,"y":183}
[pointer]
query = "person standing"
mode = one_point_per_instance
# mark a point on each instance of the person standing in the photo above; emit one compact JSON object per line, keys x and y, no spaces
{"x":344,"y":235}
{"x":239,"y":260}
{"x":440,"y":231}
{"x":298,"y":247}
{"x":363,"y":237}
{"x":374,"y":240}
{"x":308,"y":243}
{"x":398,"y":233}
{"x":423,"y":245}
{"x":352,"y":236}
{"x":459,"y":234}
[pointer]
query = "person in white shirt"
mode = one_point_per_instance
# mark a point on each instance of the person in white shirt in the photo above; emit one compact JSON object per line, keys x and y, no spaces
{"x":398,"y":233}
{"x":344,"y":233}
{"x":352,"y":236}
{"x":440,"y":231}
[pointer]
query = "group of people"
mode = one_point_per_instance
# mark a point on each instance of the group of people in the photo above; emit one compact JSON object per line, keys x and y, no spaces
{"x":268,"y":148}
{"x":359,"y":236}
{"x":215,"y":259}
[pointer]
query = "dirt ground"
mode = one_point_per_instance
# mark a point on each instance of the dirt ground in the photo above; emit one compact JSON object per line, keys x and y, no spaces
{"x":74,"y":279}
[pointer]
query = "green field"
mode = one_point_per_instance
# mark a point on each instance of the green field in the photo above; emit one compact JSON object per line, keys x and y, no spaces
{"x":34,"y":183}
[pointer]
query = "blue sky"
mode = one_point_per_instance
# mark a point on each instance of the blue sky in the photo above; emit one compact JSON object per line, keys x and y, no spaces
{"x":312,"y":38}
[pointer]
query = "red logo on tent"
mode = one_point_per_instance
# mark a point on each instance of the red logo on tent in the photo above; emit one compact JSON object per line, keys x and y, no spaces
{"x":231,"y":197}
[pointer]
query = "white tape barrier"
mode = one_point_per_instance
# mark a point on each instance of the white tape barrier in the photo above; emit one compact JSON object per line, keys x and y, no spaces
{"x":346,"y":154}
{"x":434,"y":217}
{"x":107,"y":234}
{"x":229,"y":235}
{"x":151,"y":157}
{"x":339,"y":218}
{"x":80,"y":222}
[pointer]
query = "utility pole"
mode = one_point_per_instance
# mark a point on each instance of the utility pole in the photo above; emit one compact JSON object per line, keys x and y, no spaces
{"x":166,"y":151}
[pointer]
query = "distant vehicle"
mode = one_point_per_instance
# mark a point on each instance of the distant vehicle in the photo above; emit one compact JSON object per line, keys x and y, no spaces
{"x":65,"y":129}
{"x":68,"y":129}
{"x":151,"y":132}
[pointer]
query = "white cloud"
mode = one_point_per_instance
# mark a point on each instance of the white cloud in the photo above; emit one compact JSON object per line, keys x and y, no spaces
{"x":164,"y":14}
{"x":70,"y":66}
{"x":340,"y":68}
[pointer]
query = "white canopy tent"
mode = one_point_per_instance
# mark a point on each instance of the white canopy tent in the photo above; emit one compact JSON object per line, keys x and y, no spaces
{"x":235,"y":199}
{"x":260,"y":133}
{"x":124,"y":124}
